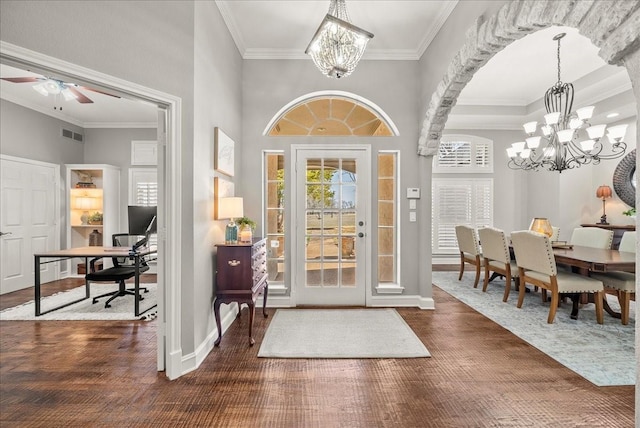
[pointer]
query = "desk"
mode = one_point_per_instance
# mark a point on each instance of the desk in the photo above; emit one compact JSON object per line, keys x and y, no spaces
{"x":87,"y":253}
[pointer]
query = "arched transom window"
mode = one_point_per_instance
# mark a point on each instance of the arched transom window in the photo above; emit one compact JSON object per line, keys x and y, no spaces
{"x":331,"y":115}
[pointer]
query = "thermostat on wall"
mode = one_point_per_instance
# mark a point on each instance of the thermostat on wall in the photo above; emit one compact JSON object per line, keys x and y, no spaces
{"x":413,"y":193}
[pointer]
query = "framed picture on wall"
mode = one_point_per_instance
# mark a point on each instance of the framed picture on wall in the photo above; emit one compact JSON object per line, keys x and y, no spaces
{"x":223,"y":154}
{"x":221,"y":189}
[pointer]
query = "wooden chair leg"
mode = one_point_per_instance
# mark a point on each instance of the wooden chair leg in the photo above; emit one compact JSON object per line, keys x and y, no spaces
{"x":553,"y":307}
{"x":625,"y":299}
{"x":507,"y":286}
{"x":599,"y":306}
{"x":475,"y":282}
{"x":486,"y":277}
{"x":461,"y":266}
{"x":522,"y":286}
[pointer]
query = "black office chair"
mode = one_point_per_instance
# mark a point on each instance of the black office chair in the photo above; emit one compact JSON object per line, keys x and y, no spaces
{"x":123,"y":269}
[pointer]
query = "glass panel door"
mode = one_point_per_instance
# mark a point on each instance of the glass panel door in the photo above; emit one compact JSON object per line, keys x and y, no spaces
{"x":332,"y":189}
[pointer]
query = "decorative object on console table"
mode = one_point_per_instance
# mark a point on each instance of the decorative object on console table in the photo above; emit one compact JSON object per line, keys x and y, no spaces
{"x":230,"y":208}
{"x":246,"y":228}
{"x":618,"y":231}
{"x":604,"y":192}
{"x":241,"y":274}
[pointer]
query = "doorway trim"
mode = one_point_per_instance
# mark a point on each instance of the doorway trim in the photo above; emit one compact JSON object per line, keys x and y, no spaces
{"x":293,"y":211}
{"x":169,"y":177}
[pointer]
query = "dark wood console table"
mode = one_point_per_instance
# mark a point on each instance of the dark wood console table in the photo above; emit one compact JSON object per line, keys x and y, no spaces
{"x":618,"y":231}
{"x":241,"y":274}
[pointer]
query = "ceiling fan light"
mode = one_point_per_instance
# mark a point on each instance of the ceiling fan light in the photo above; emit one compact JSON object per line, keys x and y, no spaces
{"x":68,"y":95}
{"x":530,"y":127}
{"x":39,"y":88}
{"x":52,"y":87}
{"x":585,"y":113}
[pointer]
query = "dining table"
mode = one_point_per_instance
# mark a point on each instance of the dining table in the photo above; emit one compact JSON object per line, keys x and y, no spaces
{"x":585,"y":260}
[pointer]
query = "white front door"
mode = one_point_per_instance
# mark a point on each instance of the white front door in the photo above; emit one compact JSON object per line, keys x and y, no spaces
{"x":331,"y":221}
{"x":28,"y":220}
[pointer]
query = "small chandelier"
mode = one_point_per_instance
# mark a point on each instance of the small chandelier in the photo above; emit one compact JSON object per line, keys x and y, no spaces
{"x":565,"y":144}
{"x":337,"y":45}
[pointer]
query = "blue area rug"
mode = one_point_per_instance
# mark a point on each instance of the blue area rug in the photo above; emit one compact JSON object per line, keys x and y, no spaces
{"x":602,"y":354}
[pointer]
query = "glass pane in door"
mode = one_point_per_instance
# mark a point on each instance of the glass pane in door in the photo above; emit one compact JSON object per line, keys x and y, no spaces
{"x":330,"y":229}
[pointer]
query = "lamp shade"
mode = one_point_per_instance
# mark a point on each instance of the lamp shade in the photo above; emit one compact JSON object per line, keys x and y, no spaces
{"x":230,"y":208}
{"x":604,"y":192}
{"x":86,"y":203}
{"x":541,"y":225}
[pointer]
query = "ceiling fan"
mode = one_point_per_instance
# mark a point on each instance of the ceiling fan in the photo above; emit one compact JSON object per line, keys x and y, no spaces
{"x":49,"y":86}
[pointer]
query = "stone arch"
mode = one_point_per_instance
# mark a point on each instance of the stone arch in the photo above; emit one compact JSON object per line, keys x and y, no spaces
{"x":346,"y":113}
{"x":614,"y":27}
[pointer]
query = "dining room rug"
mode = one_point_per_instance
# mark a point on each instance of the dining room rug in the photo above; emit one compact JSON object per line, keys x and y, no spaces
{"x":340,"y":333}
{"x":604,"y":354}
{"x":121,"y":307}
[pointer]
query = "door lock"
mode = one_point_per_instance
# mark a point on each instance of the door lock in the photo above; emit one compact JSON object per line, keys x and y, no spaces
{"x":361,"y":223}
{"x":360,"y":235}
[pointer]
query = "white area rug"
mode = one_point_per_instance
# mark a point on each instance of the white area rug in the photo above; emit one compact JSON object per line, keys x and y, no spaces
{"x":121,"y":307}
{"x":602,"y":354}
{"x":340,"y":333}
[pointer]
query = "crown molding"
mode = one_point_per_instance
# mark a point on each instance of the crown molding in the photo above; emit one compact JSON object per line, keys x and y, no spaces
{"x":369,"y":55}
{"x":233,"y":28}
{"x":437,"y":25}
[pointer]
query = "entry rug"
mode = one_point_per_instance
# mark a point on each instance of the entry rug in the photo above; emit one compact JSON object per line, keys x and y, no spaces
{"x":121,"y":307}
{"x":602,"y":354}
{"x":340,"y":333}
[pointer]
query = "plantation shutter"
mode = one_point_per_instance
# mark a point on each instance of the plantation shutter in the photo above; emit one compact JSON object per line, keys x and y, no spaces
{"x":459,"y":201}
{"x":143,"y":190}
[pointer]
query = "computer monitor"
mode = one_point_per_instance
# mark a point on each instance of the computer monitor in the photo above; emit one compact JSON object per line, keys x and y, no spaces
{"x":142,"y":220}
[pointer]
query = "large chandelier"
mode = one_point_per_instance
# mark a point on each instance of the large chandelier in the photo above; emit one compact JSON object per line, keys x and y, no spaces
{"x":568,"y":140}
{"x":338,"y":45}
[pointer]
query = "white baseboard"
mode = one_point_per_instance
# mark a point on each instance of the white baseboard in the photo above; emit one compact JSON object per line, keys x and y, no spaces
{"x":403,"y":301}
{"x":192,"y":361}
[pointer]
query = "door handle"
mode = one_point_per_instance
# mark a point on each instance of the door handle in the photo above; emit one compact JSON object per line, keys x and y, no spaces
{"x":360,"y":235}
{"x":5,"y":233}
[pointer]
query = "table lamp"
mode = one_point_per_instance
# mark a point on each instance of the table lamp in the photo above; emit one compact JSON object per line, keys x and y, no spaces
{"x":85,"y":203}
{"x":604,"y":192}
{"x":541,"y":225}
{"x":230,"y":208}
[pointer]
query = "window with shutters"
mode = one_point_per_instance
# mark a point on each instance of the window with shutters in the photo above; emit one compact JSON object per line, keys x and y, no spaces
{"x":459,"y":201}
{"x":143,"y":190}
{"x":464,"y":154}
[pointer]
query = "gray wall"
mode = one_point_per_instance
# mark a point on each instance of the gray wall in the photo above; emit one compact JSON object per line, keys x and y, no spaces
{"x":113,"y":147}
{"x":392,"y":85}
{"x":163,"y":45}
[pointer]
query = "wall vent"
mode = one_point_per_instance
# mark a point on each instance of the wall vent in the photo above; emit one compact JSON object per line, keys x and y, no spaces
{"x":67,"y":133}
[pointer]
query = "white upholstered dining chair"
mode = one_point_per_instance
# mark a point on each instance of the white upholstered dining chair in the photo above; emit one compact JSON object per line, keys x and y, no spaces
{"x":497,"y":259}
{"x":594,"y":237}
{"x":469,"y":250}
{"x":537,"y":266}
{"x":622,"y":283}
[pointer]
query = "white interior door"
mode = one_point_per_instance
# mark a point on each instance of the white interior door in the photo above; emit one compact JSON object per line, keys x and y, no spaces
{"x":331,"y":221}
{"x":28,"y":220}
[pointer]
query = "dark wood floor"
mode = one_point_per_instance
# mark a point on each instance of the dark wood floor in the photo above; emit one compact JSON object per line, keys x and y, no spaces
{"x":81,"y":374}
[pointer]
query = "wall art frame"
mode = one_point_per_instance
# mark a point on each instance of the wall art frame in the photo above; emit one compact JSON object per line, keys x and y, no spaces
{"x":223,"y":159}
